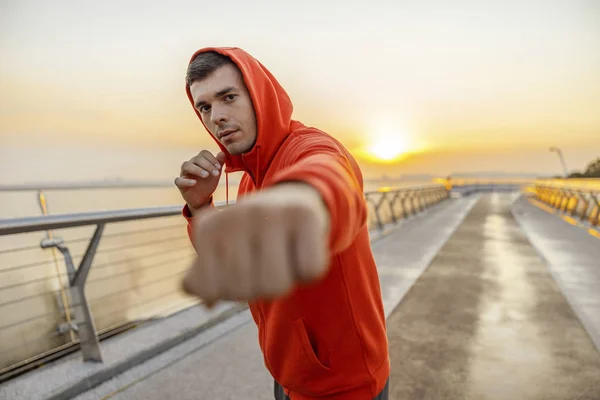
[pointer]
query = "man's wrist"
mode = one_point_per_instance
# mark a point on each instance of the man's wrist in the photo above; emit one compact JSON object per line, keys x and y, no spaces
{"x":194,"y":210}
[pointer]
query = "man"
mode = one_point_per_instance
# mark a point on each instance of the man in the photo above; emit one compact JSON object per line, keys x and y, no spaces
{"x":296,"y":243}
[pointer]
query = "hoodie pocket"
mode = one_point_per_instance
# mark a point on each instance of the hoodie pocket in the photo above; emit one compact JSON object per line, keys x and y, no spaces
{"x":309,"y":351}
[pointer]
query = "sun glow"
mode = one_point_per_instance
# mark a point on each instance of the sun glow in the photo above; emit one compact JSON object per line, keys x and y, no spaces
{"x":387,"y":142}
{"x":388,"y":147}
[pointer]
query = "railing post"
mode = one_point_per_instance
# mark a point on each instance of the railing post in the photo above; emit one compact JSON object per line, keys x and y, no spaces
{"x":414,"y":202}
{"x":409,"y":201}
{"x":403,"y":197}
{"x":419,"y":197}
{"x":419,"y":194}
{"x":377,"y":207}
{"x":90,"y":344}
{"x":585,"y":206}
{"x":594,"y":216}
{"x":557,"y":198}
{"x":565,"y":200}
{"x":573,"y":203}
{"x":378,"y":219}
{"x":393,"y":202}
{"x":85,"y":325}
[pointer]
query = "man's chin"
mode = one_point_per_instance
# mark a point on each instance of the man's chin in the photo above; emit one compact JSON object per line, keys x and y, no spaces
{"x":236,"y":150}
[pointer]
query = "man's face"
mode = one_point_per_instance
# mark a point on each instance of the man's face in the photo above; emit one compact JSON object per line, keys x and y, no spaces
{"x":225,"y":107}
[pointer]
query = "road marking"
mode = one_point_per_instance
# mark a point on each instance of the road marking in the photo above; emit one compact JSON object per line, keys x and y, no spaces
{"x":569,"y":220}
{"x":565,"y":218}
{"x":594,"y":232}
{"x":542,"y":206}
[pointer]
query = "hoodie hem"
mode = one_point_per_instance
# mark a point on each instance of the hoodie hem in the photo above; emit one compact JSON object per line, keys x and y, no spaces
{"x":365,"y":392}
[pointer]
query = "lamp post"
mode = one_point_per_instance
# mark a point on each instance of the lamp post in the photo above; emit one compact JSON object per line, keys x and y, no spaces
{"x":562,"y":159}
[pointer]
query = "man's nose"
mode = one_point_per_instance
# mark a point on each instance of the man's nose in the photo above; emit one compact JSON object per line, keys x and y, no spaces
{"x":219,"y":115}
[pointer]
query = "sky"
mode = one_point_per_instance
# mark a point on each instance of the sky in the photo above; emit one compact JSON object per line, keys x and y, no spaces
{"x":460,"y":86}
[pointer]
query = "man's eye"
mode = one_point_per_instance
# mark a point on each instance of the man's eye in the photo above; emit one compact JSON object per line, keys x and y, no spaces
{"x":204,"y":108}
{"x":230,"y":97}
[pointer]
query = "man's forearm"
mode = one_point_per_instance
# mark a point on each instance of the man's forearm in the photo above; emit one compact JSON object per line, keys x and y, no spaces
{"x":332,"y":177}
{"x":194,"y":210}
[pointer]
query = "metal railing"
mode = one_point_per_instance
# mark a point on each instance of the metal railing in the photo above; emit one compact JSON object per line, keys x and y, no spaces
{"x":389,"y":205}
{"x":135,"y":277}
{"x":467,"y":186}
{"x":575,"y":198}
{"x":120,"y":268}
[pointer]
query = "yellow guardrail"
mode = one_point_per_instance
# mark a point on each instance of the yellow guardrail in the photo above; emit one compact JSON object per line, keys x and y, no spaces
{"x":577,"y":198}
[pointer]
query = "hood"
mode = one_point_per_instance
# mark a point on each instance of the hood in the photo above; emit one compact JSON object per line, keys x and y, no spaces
{"x":273,"y":109}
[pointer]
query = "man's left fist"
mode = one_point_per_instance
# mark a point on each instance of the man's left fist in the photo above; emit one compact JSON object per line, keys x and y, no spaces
{"x":261,"y":246}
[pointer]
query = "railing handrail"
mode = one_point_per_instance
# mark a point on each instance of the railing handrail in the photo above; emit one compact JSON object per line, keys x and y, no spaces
{"x":57,"y":221}
{"x":389,"y":189}
{"x":84,"y":185}
{"x":589,"y":185}
{"x":121,"y":184}
{"x":138,"y":184}
{"x":568,"y":188}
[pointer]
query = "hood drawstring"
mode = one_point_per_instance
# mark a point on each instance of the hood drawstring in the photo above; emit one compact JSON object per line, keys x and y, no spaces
{"x":226,"y":188}
{"x":257,"y":164}
{"x":257,"y":175}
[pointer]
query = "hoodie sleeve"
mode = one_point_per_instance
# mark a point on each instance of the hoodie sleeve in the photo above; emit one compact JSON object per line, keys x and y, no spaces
{"x":322,"y":163}
{"x":187,"y":214}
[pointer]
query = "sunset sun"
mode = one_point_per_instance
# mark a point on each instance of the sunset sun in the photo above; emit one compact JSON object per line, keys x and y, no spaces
{"x":387,"y":142}
{"x":388,"y":147}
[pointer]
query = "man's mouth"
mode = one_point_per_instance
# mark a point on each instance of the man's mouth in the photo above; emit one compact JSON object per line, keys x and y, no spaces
{"x":226,"y":133}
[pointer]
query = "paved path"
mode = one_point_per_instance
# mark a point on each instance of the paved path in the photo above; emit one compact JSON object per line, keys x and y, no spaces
{"x":573,"y":257}
{"x":487,"y":321}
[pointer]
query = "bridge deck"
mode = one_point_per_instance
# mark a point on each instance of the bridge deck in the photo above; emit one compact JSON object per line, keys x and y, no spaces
{"x":487,"y":321}
{"x":473,"y":313}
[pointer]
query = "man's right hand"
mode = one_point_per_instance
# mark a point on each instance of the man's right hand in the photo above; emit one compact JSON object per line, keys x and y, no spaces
{"x":199,"y":178}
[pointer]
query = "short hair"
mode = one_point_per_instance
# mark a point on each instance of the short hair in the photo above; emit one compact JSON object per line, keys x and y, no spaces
{"x":204,"y":64}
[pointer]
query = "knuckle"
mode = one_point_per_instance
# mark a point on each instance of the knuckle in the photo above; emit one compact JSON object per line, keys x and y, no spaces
{"x":187,"y":166}
{"x":299,"y":213}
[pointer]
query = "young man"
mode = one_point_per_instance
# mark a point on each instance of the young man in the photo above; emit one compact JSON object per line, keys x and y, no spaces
{"x":296,"y":243}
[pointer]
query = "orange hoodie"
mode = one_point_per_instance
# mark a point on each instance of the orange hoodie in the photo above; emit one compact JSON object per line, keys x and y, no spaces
{"x":326,"y":340}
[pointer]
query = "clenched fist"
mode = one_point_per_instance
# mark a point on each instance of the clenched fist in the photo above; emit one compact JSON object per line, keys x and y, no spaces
{"x":261,"y":246}
{"x":199,"y":178}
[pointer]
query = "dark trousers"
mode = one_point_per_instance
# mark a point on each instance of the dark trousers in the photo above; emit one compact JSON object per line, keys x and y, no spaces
{"x":280,"y":394}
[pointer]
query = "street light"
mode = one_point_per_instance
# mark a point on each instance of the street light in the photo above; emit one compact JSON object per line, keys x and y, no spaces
{"x":562,"y":159}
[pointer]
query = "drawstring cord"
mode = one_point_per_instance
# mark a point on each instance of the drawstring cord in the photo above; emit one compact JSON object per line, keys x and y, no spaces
{"x":257,"y":175}
{"x":226,"y":188}
{"x":257,"y":164}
